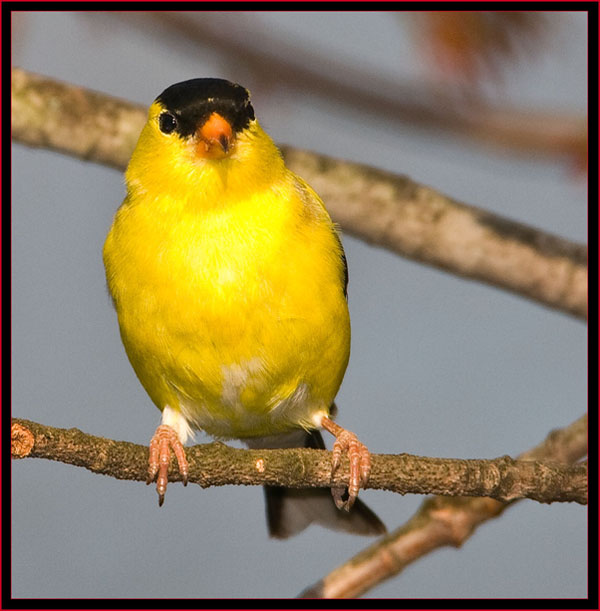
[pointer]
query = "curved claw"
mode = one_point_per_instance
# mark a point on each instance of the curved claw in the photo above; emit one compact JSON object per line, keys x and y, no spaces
{"x":360,"y":462}
{"x":164,"y":440}
{"x":338,"y":497}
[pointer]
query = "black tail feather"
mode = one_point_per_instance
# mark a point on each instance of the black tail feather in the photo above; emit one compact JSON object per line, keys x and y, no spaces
{"x":290,"y":511}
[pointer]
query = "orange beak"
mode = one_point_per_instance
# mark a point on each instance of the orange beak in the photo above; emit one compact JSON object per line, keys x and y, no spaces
{"x":215,"y":137}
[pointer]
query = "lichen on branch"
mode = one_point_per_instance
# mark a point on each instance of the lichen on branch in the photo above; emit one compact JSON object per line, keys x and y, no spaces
{"x":217,"y":464}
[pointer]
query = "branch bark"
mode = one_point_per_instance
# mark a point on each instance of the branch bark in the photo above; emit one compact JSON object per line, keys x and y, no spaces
{"x":72,"y":120}
{"x":440,"y":522}
{"x":216,"y":464}
{"x":384,"y":209}
{"x":425,"y":225}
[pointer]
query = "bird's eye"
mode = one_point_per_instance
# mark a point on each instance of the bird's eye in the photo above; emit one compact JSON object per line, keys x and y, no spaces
{"x":167,"y":122}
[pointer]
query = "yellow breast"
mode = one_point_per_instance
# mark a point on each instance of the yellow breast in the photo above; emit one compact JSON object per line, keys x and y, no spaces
{"x":234,"y":315}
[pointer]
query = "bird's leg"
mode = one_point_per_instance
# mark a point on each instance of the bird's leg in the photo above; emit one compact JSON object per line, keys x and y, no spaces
{"x":164,"y":440}
{"x":360,"y":462}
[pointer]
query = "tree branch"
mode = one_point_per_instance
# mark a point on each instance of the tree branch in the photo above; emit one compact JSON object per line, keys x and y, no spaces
{"x":216,"y":464}
{"x":425,"y":105}
{"x":439,"y":522}
{"x":422,"y":224}
{"x":381,"y":208}
{"x":76,"y":121}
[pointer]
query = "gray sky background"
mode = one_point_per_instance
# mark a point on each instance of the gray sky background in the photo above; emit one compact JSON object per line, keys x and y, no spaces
{"x":440,"y":366}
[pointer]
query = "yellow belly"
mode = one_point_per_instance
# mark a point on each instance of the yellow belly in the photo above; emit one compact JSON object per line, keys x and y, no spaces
{"x":246,"y":332}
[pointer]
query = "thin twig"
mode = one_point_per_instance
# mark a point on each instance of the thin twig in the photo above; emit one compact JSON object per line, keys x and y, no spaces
{"x":381,"y":208}
{"x":217,"y":465}
{"x":439,"y":522}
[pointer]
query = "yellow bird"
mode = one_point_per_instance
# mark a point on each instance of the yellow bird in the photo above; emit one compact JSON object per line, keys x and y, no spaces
{"x":229,"y":282}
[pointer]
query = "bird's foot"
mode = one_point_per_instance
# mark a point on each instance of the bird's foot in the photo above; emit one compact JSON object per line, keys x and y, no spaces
{"x":164,"y":440}
{"x":360,"y":462}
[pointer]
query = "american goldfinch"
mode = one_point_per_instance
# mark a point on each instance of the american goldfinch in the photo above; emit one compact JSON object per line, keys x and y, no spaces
{"x":229,"y":282}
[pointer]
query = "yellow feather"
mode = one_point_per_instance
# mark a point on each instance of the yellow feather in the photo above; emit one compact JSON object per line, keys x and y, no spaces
{"x":228,"y":281}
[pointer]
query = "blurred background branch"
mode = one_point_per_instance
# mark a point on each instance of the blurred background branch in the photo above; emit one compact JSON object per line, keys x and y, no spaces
{"x":382,"y":208}
{"x":439,"y":522}
{"x":457,"y":38}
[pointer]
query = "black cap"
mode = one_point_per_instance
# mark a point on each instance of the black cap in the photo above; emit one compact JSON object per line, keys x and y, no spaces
{"x":192,"y":102}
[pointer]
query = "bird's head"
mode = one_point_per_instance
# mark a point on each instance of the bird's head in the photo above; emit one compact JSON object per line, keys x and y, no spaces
{"x":201,"y":137}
